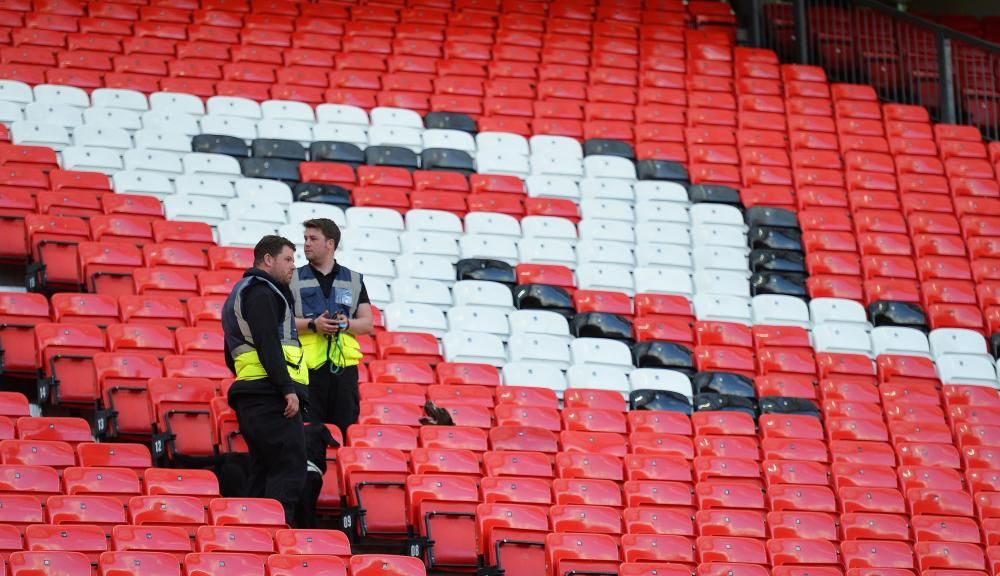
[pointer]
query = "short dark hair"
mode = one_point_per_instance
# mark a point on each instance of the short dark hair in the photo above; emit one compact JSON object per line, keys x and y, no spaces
{"x":327,"y":227}
{"x":272,"y":245}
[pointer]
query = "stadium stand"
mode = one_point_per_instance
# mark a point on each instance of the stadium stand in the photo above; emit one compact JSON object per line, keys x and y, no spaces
{"x":692,"y":309}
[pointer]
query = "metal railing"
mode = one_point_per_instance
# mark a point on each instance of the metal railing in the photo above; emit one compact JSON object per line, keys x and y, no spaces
{"x":906,"y":59}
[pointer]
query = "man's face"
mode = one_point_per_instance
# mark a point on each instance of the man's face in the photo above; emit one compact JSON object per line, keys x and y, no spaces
{"x":283,"y":266}
{"x":316,"y":246}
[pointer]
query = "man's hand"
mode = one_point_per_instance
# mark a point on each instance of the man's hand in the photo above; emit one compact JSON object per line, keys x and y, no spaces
{"x":342,"y":321}
{"x":326,"y":325}
{"x":291,"y":406}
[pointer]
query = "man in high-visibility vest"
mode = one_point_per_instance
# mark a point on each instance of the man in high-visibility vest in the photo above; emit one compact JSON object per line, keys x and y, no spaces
{"x":263,"y":350}
{"x":331,"y":309}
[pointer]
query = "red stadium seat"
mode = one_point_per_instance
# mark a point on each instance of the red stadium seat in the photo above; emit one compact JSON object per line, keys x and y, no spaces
{"x":48,"y":562}
{"x":139,"y":563}
{"x":185,"y":512}
{"x":84,"y":538}
{"x":386,"y":565}
{"x":19,"y":314}
{"x":222,"y":564}
{"x":303,"y":565}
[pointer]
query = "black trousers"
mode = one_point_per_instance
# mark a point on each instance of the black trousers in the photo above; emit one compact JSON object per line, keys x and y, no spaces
{"x":334,"y":398}
{"x":277,"y":451}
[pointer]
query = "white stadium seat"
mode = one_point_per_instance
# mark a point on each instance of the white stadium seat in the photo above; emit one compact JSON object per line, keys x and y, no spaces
{"x":665,"y":232}
{"x":842,"y":339}
{"x":548,"y":186}
{"x":242,"y":233}
{"x":451,"y":139}
{"x":778,"y":310}
{"x":533,"y":374}
{"x":196,"y":208}
{"x":483,"y":293}
{"x":57,"y":94}
{"x":216,"y":164}
{"x":607,"y":188}
{"x":299,"y":212}
{"x":425,"y":267}
{"x":550,"y":166}
{"x":721,"y":258}
{"x":837,"y":310}
{"x":162,"y":120}
{"x":412,"y":317}
{"x":492,"y":247}
{"x":12,"y":112}
{"x":287,"y":110}
{"x":437,"y":221}
{"x":396,"y":117}
{"x":236,"y":126}
{"x":538,"y":322}
{"x":146,"y":183}
{"x":31,"y":133}
{"x":261,"y":189}
{"x":378,"y":291}
{"x":104,"y":137}
{"x":502,"y":141}
{"x":609,"y":167}
{"x":476,"y":347}
{"x":977,"y":370}
{"x":233,"y":106}
{"x":256,"y":210}
{"x":116,"y":118}
{"x":383,"y":218}
{"x":17,"y":92}
{"x":431,"y":243}
{"x":606,"y":277}
{"x":660,"y":379}
{"x":547,"y":251}
{"x":177,"y":102}
{"x":119,"y":98}
{"x":650,"y":255}
{"x":389,"y":135}
{"x":604,"y":252}
{"x":156,"y":140}
{"x":479,"y":319}
{"x":92,"y":159}
{"x":54,"y":114}
{"x":420,"y":291}
{"x":653,"y":191}
{"x":371,"y":264}
{"x":662,"y":212}
{"x":722,"y":308}
{"x":607,"y":230}
{"x":217,"y":187}
{"x":898,"y":340}
{"x":598,"y":377}
{"x":351,"y":133}
{"x":944,"y":341}
{"x":708,"y":235}
{"x":548,"y":227}
{"x":285,"y":129}
{"x":555,"y":146}
{"x":373,"y":239}
{"x":663,"y":281}
{"x":493,"y":161}
{"x":341,"y":114}
{"x":717,"y":214}
{"x":550,"y":350}
{"x":601,"y":352}
{"x":608,"y":209}
{"x":492,"y":224}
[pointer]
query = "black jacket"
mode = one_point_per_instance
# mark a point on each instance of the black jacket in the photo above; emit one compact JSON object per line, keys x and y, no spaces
{"x":264,"y":310}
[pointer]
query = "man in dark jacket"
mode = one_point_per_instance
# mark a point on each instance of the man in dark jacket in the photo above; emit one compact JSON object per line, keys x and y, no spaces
{"x":263,"y":350}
